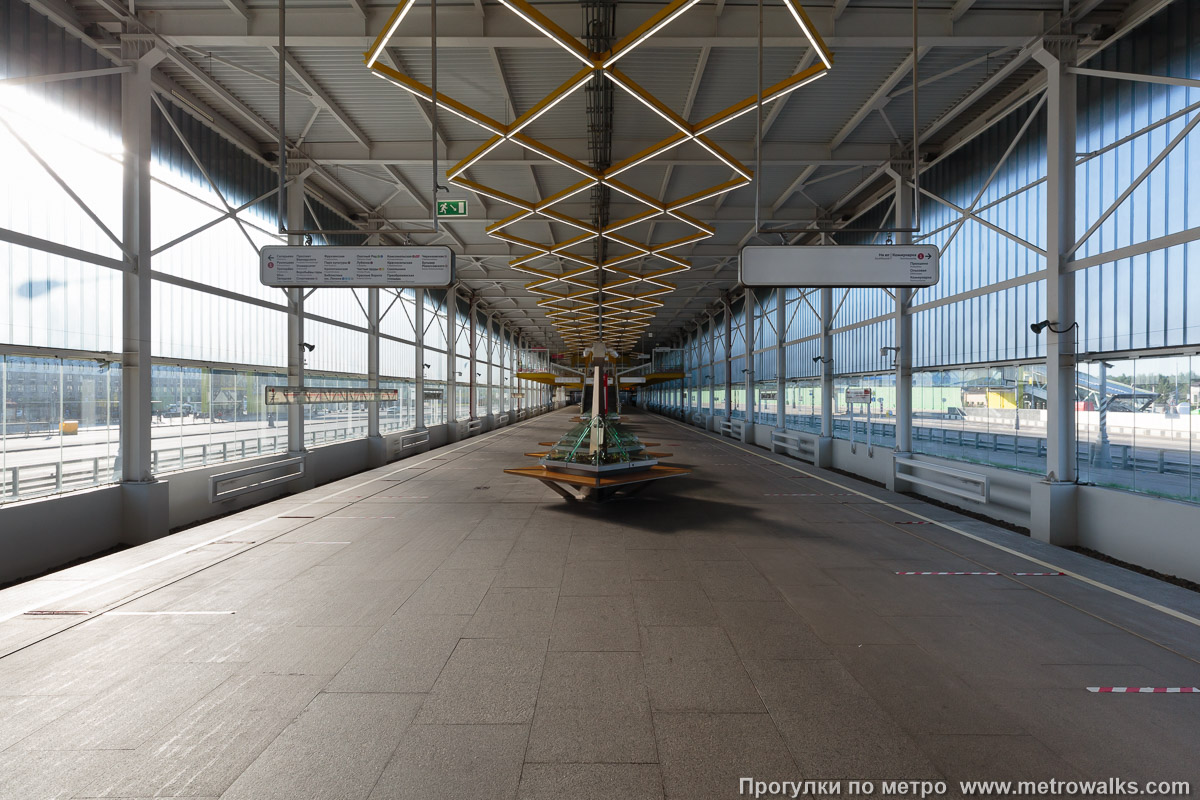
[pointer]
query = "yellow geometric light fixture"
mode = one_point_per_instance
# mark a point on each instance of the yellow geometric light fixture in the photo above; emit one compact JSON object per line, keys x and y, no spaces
{"x":576,"y":304}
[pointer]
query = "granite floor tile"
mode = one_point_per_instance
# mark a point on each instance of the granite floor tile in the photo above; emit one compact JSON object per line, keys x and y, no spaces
{"x":451,"y":762}
{"x":704,"y":755}
{"x":338,"y":748}
{"x":511,"y":612}
{"x":833,"y":727}
{"x":592,"y":708}
{"x":186,"y":759}
{"x":130,"y":713}
{"x":672,"y":603}
{"x":591,"y":782}
{"x":595,"y":624}
{"x":696,"y":669}
{"x":405,"y":655}
{"x":596,"y":578}
{"x":487,"y":681}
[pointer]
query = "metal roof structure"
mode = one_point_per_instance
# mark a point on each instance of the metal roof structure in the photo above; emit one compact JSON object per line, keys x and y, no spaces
{"x":824,"y":146}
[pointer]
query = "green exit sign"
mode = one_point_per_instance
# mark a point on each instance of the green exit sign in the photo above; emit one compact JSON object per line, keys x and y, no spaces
{"x":452,"y":208}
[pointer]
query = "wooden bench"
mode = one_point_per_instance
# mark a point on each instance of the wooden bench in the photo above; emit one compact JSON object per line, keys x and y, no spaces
{"x":598,"y":487}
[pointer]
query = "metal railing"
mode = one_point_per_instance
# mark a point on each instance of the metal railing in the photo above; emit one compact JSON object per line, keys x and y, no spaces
{"x":23,"y":481}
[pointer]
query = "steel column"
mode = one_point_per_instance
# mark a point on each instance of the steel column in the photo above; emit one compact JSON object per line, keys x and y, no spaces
{"x":296,"y":351}
{"x":144,"y":500}
{"x":1053,"y":516}
{"x":373,"y":359}
{"x":472,"y":369}
{"x":419,"y":389}
{"x":451,"y":361}
{"x":1060,"y":237}
{"x":826,"y":363}
{"x":136,"y":286}
{"x":491,"y":357}
{"x":750,"y":303}
{"x":728,"y":360}
{"x":780,"y":360}
{"x":904,"y":322}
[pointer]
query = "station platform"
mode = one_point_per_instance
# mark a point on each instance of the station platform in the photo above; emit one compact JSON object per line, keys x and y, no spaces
{"x":438,"y":629}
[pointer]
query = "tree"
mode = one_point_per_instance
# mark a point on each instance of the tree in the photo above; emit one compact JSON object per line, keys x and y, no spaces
{"x":1165,"y":389}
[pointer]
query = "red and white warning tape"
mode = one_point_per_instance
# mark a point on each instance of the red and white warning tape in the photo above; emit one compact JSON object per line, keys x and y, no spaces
{"x":947,"y":573}
{"x":1144,"y":689}
{"x":1021,"y":574}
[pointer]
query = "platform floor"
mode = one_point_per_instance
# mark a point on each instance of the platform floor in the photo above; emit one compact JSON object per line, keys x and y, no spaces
{"x":437,"y":629}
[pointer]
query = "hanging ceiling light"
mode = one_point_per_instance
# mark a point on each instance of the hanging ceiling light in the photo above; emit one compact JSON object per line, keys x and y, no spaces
{"x":624,"y":304}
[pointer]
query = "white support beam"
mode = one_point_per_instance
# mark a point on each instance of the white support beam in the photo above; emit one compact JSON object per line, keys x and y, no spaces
{"x":793,"y":187}
{"x":238,"y":7}
{"x":776,"y":110}
{"x":233,"y":103}
{"x":779,"y":105}
{"x":61,"y":13}
{"x":389,"y":56}
{"x":1148,"y":246}
{"x":981,"y":91}
{"x":878,"y":98}
{"x":57,"y":249}
{"x":462,"y":26}
{"x":689,"y":101}
{"x":1135,"y":76}
{"x":414,"y":153}
{"x":63,"y":76}
{"x":959,"y":9}
{"x":321,"y":98}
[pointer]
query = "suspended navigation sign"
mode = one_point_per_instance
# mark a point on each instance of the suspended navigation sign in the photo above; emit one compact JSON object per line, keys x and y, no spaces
{"x":428,"y":267}
{"x":293,"y":395}
{"x":875,"y":265}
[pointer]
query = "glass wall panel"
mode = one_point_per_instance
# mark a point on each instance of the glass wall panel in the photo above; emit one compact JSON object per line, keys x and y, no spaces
{"x":1137,"y":427}
{"x":984,"y":415}
{"x":766,"y":402}
{"x":803,"y":408}
{"x":203,"y":415}
{"x":400,"y":415}
{"x":435,"y":402}
{"x":326,"y":423}
{"x":59,"y":428}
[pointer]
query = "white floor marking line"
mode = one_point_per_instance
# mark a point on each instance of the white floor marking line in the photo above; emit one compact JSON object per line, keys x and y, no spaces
{"x":168,"y":613}
{"x":1021,"y":574}
{"x":1033,"y":559}
{"x":132,"y":570}
{"x":1144,"y":689}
